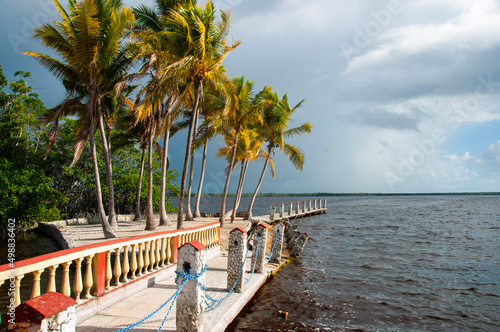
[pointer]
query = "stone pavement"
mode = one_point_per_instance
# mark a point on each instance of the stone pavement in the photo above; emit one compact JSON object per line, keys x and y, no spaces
{"x":142,"y":303}
{"x":92,"y":233}
{"x":138,"y":306}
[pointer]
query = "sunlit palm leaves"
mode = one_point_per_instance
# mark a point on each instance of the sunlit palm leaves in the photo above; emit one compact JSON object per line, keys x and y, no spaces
{"x":276,"y":116}
{"x":89,"y":42}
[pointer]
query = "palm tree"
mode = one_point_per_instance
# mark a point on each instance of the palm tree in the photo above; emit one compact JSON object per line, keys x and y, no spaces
{"x":274,"y":131}
{"x":243,"y":113}
{"x":161,"y":92}
{"x":199,"y":43}
{"x":213,"y":104}
{"x":148,"y":33}
{"x":88,"y":40}
{"x":126,"y":136}
{"x":249,"y":146}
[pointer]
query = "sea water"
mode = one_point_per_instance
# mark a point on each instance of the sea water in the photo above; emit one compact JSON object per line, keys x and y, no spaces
{"x":397,"y":263}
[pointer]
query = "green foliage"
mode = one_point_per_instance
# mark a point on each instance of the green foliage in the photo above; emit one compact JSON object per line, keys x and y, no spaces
{"x":38,"y":189}
{"x":78,"y":183}
{"x":27,"y":193}
{"x":126,"y":166}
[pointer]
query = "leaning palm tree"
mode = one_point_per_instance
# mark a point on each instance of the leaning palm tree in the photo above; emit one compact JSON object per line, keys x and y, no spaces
{"x":249,"y":146}
{"x":274,"y":131}
{"x":213,"y":104}
{"x":88,"y":40}
{"x":241,"y":115}
{"x":198,"y":41}
{"x":149,"y":24}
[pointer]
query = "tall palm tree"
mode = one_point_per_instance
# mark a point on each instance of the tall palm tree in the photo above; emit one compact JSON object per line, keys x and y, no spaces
{"x":88,"y":40}
{"x":198,"y":40}
{"x":148,"y":32}
{"x":274,"y":132}
{"x":242,"y":113}
{"x":249,"y":146}
{"x":213,"y":104}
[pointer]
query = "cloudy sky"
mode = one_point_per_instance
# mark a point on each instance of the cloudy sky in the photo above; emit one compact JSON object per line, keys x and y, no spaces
{"x":403,"y":96}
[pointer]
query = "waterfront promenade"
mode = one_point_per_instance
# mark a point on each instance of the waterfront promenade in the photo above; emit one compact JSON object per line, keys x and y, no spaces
{"x":133,"y":287}
{"x":137,"y":306}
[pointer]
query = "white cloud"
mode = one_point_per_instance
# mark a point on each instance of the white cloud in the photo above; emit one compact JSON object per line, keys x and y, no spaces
{"x":470,"y":32}
{"x":490,"y":158}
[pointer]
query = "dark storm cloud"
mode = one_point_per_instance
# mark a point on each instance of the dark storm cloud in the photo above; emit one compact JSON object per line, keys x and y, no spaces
{"x":383,"y":119}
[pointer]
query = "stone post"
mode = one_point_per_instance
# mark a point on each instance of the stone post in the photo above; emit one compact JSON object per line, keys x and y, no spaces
{"x":289,"y":229}
{"x":47,"y":312}
{"x":290,"y":207}
{"x":189,"y":309}
{"x":292,"y":239}
{"x":236,"y":260}
{"x":260,"y":231}
{"x":279,"y":231}
{"x":272,"y":212}
{"x":282,"y":210}
{"x":299,"y":245}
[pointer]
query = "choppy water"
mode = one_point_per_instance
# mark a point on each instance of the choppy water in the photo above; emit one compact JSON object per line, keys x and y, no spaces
{"x":385,"y":264}
{"x":389,"y":264}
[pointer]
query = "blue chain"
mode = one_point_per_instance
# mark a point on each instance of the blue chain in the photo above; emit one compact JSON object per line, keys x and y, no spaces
{"x":255,"y":260}
{"x":173,"y":297}
{"x":186,"y":277}
{"x":171,"y":306}
{"x":219,"y":302}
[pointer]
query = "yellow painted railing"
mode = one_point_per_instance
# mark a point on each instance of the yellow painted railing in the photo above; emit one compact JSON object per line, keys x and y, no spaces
{"x":100,"y":267}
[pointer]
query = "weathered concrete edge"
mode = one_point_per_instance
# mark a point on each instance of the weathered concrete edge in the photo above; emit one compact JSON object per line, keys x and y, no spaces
{"x":219,"y":319}
{"x":57,"y":233}
{"x":57,"y":230}
{"x":89,"y":308}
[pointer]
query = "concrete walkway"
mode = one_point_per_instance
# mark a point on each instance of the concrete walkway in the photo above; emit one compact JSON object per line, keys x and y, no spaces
{"x":92,"y":233}
{"x":136,"y":307}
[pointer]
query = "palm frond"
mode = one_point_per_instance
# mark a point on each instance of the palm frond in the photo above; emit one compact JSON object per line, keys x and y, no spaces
{"x":295,"y":155}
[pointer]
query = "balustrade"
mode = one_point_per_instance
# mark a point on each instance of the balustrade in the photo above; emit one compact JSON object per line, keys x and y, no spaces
{"x":87,"y":280}
{"x":79,"y":267}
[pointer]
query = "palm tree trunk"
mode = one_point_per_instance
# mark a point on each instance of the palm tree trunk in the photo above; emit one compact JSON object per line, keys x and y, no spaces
{"x":189,"y":214}
{"x":226,"y":185}
{"x":164,"y":221}
{"x":109,"y":173}
{"x":180,"y":215}
{"x":237,"y":199}
{"x":248,"y":215}
{"x":150,"y":221}
{"x":139,"y":187}
{"x":197,"y":213}
{"x":106,"y":227}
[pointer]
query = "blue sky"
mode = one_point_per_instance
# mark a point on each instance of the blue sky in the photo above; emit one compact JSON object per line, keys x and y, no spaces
{"x":403,"y":96}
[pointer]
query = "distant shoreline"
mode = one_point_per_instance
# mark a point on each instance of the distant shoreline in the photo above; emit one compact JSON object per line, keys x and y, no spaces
{"x":357,"y":194}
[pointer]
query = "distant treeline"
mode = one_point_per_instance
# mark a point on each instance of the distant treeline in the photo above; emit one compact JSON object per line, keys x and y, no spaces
{"x":355,"y":194}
